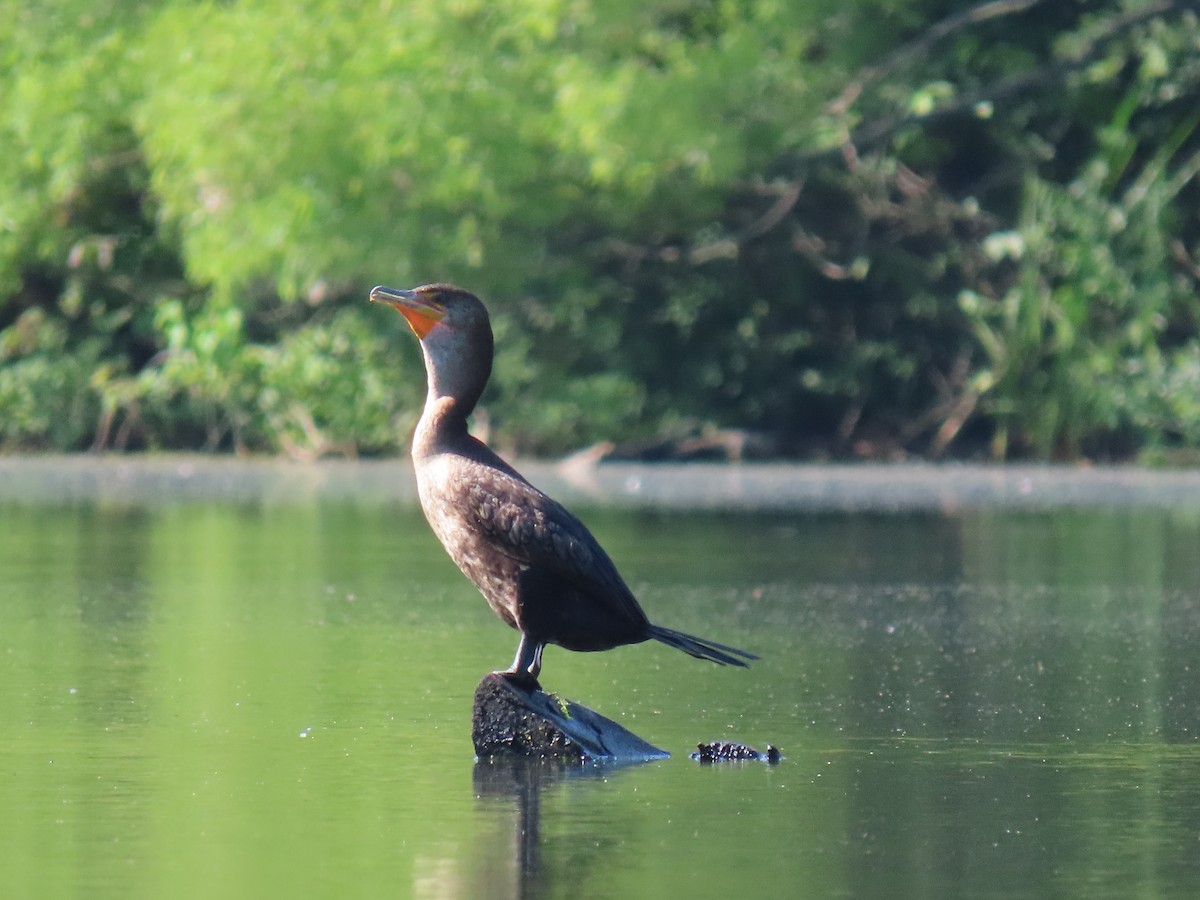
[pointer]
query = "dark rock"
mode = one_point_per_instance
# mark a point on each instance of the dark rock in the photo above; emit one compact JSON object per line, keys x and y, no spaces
{"x":514,"y":719}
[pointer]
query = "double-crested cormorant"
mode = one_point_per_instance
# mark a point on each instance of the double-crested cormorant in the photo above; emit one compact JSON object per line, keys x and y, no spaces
{"x":537,"y":565}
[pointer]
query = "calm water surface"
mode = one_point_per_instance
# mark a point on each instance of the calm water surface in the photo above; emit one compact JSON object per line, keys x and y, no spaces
{"x":272,"y":699}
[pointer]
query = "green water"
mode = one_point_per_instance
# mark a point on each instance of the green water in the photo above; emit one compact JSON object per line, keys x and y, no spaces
{"x":273,"y":700}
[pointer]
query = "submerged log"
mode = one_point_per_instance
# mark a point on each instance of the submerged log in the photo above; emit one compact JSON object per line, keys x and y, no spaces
{"x":726,"y":751}
{"x":512,"y":719}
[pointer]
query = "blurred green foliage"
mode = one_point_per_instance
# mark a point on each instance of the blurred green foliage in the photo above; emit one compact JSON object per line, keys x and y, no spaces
{"x":868,"y":229}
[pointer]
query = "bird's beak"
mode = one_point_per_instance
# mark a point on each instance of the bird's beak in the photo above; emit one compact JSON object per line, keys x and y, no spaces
{"x":421,"y":312}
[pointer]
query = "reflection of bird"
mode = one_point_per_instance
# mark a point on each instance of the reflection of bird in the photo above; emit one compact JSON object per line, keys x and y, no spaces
{"x":540,"y":569}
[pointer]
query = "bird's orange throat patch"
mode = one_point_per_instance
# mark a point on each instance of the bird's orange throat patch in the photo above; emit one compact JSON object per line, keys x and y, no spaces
{"x":420,"y":307}
{"x":419,"y":320}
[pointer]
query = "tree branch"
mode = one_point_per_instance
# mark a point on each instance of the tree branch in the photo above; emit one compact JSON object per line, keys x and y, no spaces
{"x":1040,"y":77}
{"x":921,"y":46}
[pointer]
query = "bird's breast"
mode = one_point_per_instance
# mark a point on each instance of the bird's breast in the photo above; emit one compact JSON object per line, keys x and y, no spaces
{"x":453,"y":513}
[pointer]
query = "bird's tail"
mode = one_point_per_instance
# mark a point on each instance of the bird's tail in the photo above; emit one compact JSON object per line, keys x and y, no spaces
{"x":700,"y":648}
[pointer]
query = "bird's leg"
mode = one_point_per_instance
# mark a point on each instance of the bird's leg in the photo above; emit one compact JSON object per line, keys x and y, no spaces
{"x":528,"y":663}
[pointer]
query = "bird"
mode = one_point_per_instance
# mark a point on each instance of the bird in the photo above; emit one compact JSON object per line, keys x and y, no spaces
{"x":537,"y":565}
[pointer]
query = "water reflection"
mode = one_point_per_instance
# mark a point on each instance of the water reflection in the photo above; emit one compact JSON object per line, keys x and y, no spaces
{"x":510,"y":791}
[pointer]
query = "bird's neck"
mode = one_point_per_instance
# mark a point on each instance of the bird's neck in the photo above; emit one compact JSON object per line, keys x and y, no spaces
{"x":454,"y":386}
{"x":443,"y":426}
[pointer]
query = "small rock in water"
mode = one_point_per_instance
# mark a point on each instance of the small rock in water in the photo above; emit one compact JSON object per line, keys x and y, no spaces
{"x":724,"y":751}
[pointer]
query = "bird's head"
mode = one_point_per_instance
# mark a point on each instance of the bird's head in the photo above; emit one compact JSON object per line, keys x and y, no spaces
{"x":455,"y":334}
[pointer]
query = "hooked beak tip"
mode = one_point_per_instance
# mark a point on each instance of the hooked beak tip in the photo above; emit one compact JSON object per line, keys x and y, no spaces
{"x":383,"y":294}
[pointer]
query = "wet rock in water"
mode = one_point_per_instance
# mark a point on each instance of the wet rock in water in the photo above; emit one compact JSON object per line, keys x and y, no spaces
{"x":513,"y":719}
{"x":725,"y":751}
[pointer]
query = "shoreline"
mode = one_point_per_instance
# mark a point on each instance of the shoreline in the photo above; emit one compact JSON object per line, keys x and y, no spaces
{"x":139,"y":480}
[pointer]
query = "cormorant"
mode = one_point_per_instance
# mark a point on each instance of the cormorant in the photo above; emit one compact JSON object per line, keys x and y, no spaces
{"x":537,"y":565}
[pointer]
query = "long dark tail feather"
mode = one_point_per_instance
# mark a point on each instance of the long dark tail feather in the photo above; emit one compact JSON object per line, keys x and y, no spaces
{"x":700,"y":648}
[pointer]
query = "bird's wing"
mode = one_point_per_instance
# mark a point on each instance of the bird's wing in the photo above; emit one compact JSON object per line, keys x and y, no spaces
{"x":535,"y":530}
